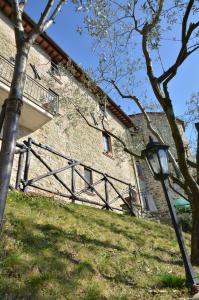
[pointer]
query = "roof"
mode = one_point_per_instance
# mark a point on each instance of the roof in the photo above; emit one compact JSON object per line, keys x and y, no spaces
{"x":58,"y":54}
{"x":157,"y":113}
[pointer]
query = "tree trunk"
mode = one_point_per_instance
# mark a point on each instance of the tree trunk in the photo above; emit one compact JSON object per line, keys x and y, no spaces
{"x":11,"y":124}
{"x":195,"y":231}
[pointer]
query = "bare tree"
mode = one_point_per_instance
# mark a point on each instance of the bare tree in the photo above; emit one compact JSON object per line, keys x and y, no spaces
{"x":10,"y":114}
{"x":130,"y":34}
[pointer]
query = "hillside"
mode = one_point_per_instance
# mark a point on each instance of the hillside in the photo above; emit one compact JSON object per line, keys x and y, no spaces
{"x":60,"y":251}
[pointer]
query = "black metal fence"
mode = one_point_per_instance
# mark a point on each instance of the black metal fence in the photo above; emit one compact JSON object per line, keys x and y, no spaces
{"x":33,"y":90}
{"x":114,"y":194}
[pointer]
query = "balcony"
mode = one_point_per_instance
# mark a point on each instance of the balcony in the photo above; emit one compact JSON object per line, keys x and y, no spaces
{"x":40,"y":104}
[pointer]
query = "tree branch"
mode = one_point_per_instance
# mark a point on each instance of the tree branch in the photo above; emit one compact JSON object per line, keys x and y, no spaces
{"x":145,"y":31}
{"x":178,"y":181}
{"x":155,"y":18}
{"x":41,"y":23}
{"x":22,"y":5}
{"x":125,"y":148}
{"x":197,"y":152}
{"x":165,"y":101}
{"x":149,"y":124}
{"x":151,"y":7}
{"x":185,"y":19}
{"x":54,"y":14}
{"x":18,"y":23}
{"x":176,"y":191}
{"x":191,"y":163}
{"x":183,"y":53}
{"x":44,"y":23}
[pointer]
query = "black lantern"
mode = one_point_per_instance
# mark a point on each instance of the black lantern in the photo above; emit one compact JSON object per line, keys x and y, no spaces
{"x":156,"y":155}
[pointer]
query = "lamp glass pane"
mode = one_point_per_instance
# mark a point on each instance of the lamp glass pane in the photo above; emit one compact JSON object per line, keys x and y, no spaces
{"x":154,"y":162}
{"x":164,"y":161}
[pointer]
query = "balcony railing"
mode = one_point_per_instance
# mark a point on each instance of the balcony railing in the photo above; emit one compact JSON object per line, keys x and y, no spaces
{"x":33,"y":90}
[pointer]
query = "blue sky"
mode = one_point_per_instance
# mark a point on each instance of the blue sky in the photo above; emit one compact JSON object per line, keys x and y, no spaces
{"x":79,"y":48}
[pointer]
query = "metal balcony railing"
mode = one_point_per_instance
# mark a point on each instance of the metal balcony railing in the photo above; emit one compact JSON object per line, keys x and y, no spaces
{"x":33,"y":90}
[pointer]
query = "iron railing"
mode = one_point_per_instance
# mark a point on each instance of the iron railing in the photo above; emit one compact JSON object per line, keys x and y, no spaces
{"x":106,"y":189}
{"x":33,"y":90}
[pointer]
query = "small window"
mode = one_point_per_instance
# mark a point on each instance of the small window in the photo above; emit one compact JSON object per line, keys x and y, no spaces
{"x":139,"y":170}
{"x":54,"y":68}
{"x":102,"y":110}
{"x":107,"y":143}
{"x":89,"y":177}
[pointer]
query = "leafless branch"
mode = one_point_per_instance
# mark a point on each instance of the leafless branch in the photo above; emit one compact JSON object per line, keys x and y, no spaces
{"x":193,"y":50}
{"x":150,"y":5}
{"x":134,"y":18}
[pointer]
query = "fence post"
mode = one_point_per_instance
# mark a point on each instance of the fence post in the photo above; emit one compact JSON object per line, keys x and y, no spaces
{"x":19,"y":170}
{"x":106,"y":193}
{"x":27,"y":164}
{"x":131,"y":197}
{"x":73,"y":185}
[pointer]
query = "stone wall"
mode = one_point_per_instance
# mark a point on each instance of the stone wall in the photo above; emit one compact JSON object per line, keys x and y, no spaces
{"x":153,"y":198}
{"x":68,"y":132}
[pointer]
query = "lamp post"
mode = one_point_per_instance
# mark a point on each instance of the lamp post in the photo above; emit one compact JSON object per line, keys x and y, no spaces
{"x":156,"y":155}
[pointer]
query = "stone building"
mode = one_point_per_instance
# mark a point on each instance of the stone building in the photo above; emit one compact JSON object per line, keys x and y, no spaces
{"x":152,"y":196}
{"x":60,"y":102}
{"x":56,"y":90}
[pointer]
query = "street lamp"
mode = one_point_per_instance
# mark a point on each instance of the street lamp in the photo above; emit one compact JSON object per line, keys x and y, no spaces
{"x":156,"y":155}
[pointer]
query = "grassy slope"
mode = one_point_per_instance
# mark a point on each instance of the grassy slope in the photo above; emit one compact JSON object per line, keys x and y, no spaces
{"x":54,"y":251}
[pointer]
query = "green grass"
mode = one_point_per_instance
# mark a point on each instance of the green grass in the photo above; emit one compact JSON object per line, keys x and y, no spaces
{"x":51,"y":250}
{"x":171,"y":280}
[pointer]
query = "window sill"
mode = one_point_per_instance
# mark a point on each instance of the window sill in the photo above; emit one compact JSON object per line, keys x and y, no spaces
{"x":108,"y":154}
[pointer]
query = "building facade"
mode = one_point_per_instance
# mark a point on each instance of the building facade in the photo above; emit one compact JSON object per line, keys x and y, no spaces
{"x":65,"y":110}
{"x":56,"y":90}
{"x":152,"y":196}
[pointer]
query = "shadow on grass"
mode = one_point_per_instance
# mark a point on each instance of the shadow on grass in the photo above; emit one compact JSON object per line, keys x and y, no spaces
{"x":48,"y":262}
{"x":120,"y":278}
{"x":161,"y":259}
{"x":111,"y":227}
{"x":51,"y":231}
